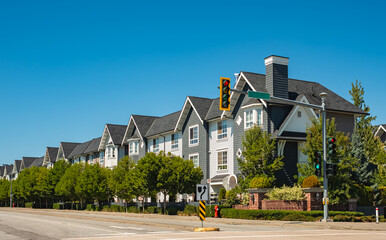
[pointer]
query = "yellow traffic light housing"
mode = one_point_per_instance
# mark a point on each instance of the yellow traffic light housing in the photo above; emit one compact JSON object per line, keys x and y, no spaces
{"x":225,"y":93}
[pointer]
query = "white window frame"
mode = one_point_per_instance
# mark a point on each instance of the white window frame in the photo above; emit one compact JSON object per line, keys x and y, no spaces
{"x":101,"y":157}
{"x":194,"y":141}
{"x":133,"y":148}
{"x":174,"y":142}
{"x":197,"y":163}
{"x":255,"y":118}
{"x":224,"y":130}
{"x":221,"y":166}
{"x":156,"y":145}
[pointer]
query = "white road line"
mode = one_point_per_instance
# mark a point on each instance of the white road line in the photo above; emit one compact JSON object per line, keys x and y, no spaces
{"x":131,"y":228}
{"x":279,"y":235}
{"x":160,"y":232}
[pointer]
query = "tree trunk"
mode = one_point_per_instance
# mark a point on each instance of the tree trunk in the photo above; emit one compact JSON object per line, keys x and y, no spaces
{"x":126,"y":205}
{"x":164,"y":202}
{"x":81,"y":204}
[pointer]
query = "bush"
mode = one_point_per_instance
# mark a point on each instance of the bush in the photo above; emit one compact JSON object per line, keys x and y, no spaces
{"x":56,"y":206}
{"x":364,"y":194}
{"x":29,"y":204}
{"x":286,"y":193}
{"x":171,"y":211}
{"x":152,"y":210}
{"x":261,"y":181}
{"x":90,"y":207}
{"x":191,"y":210}
{"x":311,"y":181}
{"x":222,"y":194}
{"x":117,"y":208}
{"x":382,"y":195}
{"x":232,"y":198}
{"x":296,"y":216}
{"x":133,"y":209}
{"x":106,"y":208}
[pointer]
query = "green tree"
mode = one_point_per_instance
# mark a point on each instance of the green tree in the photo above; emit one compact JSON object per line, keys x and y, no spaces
{"x":66,"y":188}
{"x":4,"y":191}
{"x":126,"y":181}
{"x":23,"y":186}
{"x":149,"y":167}
{"x":40,"y":186}
{"x":259,"y":155}
{"x":54,"y":176}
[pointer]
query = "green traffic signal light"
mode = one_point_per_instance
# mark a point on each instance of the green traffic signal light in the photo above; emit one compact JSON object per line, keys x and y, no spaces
{"x":225,"y":93}
{"x":331,"y":148}
{"x":318,"y":162}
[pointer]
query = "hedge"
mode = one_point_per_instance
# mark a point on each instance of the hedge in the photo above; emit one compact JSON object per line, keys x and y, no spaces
{"x":57,"y":206}
{"x":29,"y":204}
{"x":281,"y":215}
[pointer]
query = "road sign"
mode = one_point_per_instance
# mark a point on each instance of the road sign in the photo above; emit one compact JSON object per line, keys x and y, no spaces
{"x":202,"y":192}
{"x":261,"y":95}
{"x":201,"y":213}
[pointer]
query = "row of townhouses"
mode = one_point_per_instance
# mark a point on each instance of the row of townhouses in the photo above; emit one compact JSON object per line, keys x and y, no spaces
{"x":212,"y":138}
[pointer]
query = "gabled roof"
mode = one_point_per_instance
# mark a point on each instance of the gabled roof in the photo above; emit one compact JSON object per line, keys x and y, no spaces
{"x":2,"y":171}
{"x":310,"y":90}
{"x":67,"y":148}
{"x":93,"y":147}
{"x":37,"y":163}
{"x":139,"y":122}
{"x":26,"y":162}
{"x":8,"y":169}
{"x":79,"y":149}
{"x":116,"y":132}
{"x":52,"y":153}
{"x":379,"y":130}
{"x":200,"y":106}
{"x":214,"y":110}
{"x":163,"y":124}
{"x":16,"y":166}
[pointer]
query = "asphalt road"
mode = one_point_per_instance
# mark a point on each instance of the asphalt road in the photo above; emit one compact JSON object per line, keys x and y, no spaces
{"x":50,"y":224}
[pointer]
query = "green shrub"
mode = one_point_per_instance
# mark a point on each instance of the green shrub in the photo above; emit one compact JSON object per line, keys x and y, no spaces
{"x":116,"y":208}
{"x":152,"y":209}
{"x":90,"y":207}
{"x":191,"y":210}
{"x":106,"y":208}
{"x":133,"y":209}
{"x":297,"y":216}
{"x":222,"y":194}
{"x":382,"y":195}
{"x":311,"y":181}
{"x":364,"y":194}
{"x":232,"y":198}
{"x":56,"y":206}
{"x":261,"y":181}
{"x":171,"y":211}
{"x":29,"y":204}
{"x":286,"y":193}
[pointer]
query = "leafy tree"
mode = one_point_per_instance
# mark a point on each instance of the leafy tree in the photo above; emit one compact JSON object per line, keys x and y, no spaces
{"x":363,"y":174}
{"x":259,"y":155}
{"x":4,"y":191}
{"x":341,"y":183}
{"x":126,"y":180}
{"x":66,"y":188}
{"x":54,"y":176}
{"x":40,"y":186}
{"x":23,"y":186}
{"x":149,"y":167}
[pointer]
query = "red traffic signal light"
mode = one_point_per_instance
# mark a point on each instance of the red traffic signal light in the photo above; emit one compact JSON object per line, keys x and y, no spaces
{"x":225,"y":92}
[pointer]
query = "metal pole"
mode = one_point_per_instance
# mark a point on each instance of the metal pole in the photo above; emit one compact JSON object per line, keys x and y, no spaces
{"x":325,"y":181}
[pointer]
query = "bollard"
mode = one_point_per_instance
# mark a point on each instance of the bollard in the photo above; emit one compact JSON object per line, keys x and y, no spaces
{"x":376,"y":215}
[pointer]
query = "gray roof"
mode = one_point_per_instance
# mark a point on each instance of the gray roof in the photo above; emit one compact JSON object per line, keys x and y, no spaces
{"x":163,"y":124}
{"x":311,"y":90}
{"x":2,"y":171}
{"x":116,"y":132}
{"x":17,"y":164}
{"x":214,"y":110}
{"x":219,"y":177}
{"x":68,"y":147}
{"x":93,"y":147}
{"x":52,"y":153}
{"x":37,"y":163}
{"x":201,"y":105}
{"x":79,"y":150}
{"x":143,"y":123}
{"x":9,"y":169}
{"x":27,"y":161}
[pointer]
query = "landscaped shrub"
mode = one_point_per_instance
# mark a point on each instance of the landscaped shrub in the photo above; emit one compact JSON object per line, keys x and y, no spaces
{"x":152,"y":209}
{"x":191,"y":210}
{"x":365,"y":195}
{"x":222,"y":194}
{"x":90,"y":207}
{"x":382,"y":195}
{"x":29,"y":204}
{"x":56,"y":206}
{"x":261,"y":181}
{"x":286,"y":193}
{"x":232,"y":198}
{"x":311,"y":181}
{"x":297,"y":216}
{"x":171,"y":211}
{"x":116,"y":208}
{"x":106,"y":208}
{"x":133,"y":209}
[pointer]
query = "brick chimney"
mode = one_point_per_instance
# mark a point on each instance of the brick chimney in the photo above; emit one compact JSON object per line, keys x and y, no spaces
{"x":276,"y":76}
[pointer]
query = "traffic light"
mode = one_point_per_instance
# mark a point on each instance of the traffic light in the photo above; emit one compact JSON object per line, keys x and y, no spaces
{"x":225,"y":93}
{"x":318,"y":164}
{"x":331,"y":169}
{"x":331,"y":148}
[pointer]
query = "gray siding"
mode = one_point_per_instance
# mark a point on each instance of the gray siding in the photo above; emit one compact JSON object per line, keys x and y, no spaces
{"x":203,"y":142}
{"x":276,"y":116}
{"x":383,"y":138}
{"x":344,"y":122}
{"x":141,"y":150}
{"x":277,"y":80}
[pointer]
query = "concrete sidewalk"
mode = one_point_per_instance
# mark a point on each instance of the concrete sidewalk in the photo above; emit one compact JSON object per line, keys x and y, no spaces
{"x":188,"y":223}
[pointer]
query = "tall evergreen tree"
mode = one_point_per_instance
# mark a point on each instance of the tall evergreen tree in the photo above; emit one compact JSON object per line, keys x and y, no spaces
{"x":363,"y":174}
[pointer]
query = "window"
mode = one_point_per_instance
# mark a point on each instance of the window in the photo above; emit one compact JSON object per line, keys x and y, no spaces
{"x":113,"y":150}
{"x":155,"y":145}
{"x":193,"y":135}
{"x":222,"y":160}
{"x":108,"y":152}
{"x":101,"y":157}
{"x":299,"y":114}
{"x":248,"y":118}
{"x":222,"y":130}
{"x":133,"y":148}
{"x":174,"y":140}
{"x":259,"y":118}
{"x":194,"y":158}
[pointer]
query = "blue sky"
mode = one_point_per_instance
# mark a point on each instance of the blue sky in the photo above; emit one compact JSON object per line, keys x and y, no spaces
{"x":67,"y":68}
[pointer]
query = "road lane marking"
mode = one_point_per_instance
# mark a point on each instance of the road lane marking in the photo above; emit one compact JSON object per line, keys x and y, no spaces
{"x":278,"y":235}
{"x":131,"y":228}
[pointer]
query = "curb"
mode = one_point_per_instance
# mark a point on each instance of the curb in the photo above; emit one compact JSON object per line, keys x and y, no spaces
{"x":206,"y":229}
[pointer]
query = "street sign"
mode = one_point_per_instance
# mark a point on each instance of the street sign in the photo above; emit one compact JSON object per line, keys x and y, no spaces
{"x":261,"y":95}
{"x":202,"y":192}
{"x":202,"y":213}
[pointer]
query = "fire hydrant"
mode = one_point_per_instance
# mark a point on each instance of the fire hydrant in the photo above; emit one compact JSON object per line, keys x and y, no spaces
{"x":216,"y":211}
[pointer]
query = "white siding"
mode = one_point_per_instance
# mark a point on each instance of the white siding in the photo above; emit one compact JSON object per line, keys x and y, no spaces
{"x":168,"y":144}
{"x":298,"y":124}
{"x":216,"y":145}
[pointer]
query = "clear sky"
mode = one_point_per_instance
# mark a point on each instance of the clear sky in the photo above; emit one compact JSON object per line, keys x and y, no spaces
{"x":69,"y":67}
